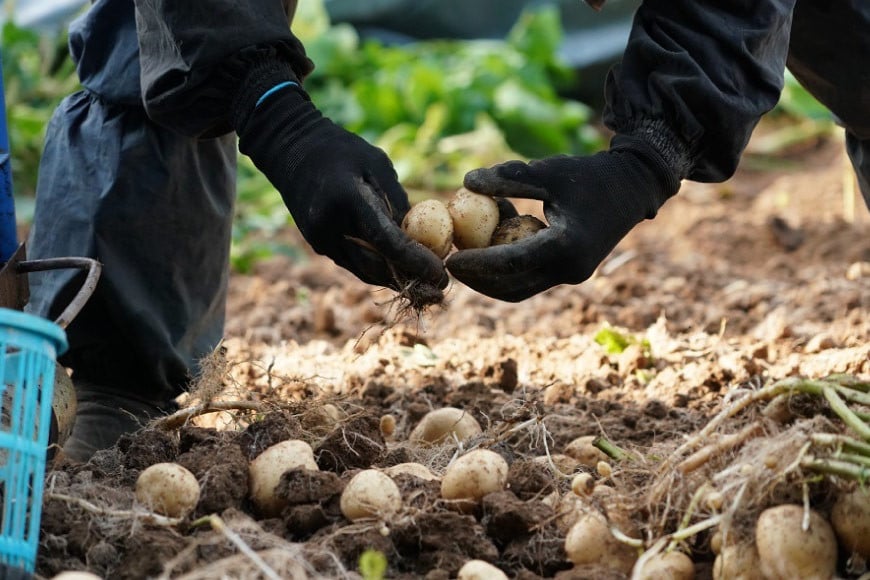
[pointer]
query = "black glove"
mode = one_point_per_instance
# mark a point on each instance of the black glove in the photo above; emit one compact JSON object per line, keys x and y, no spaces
{"x":590,"y":204}
{"x":342,"y":192}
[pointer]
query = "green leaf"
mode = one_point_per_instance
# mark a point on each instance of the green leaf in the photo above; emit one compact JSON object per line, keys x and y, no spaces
{"x":372,"y":565}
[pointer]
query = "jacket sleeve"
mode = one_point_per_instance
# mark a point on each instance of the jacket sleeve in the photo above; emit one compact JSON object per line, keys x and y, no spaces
{"x":696,"y":77}
{"x":192,"y":56}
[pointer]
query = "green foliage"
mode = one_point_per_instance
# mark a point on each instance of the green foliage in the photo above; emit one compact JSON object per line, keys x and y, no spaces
{"x":37,"y":74}
{"x":615,"y":342}
{"x":440,"y":108}
{"x":372,"y":565}
{"x":797,"y":103}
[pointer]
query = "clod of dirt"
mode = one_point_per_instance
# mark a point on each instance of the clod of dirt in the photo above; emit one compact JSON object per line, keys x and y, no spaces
{"x":304,"y":519}
{"x":147,"y":447}
{"x":529,"y":479}
{"x":442,"y":540}
{"x":541,"y":553}
{"x":146,"y":551}
{"x":417,"y":492}
{"x":222,"y":471}
{"x":299,"y":486}
{"x":275,"y":427}
{"x":357,"y":444}
{"x":506,"y":517}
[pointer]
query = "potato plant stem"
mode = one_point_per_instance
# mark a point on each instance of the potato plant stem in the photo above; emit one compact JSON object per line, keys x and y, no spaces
{"x":611,"y":449}
{"x":836,"y":467}
{"x":843,"y":441}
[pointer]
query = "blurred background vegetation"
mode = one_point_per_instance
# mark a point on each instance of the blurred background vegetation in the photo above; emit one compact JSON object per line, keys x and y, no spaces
{"x":438,"y":107}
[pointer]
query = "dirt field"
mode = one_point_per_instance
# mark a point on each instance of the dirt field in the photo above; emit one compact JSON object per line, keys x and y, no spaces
{"x":732,"y":288}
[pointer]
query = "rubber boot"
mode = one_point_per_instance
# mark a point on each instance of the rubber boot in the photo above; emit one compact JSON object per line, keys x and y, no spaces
{"x":104,"y":415}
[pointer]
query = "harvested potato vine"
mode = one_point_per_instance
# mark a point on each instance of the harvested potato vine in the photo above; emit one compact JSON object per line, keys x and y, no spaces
{"x":168,"y":489}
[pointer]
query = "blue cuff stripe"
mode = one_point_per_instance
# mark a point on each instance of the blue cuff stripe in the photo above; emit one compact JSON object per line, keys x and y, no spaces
{"x":274,"y":90}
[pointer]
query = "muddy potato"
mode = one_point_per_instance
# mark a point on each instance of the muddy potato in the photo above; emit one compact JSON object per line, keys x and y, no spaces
{"x":480,"y":570}
{"x":416,"y":469}
{"x":582,"y":450}
{"x":474,"y":475}
{"x":737,"y":562}
{"x":475,"y":218}
{"x":438,"y":425}
{"x":565,"y":464}
{"x":168,"y":489}
{"x":850,"y":517}
{"x":265,"y":471}
{"x":370,"y":493}
{"x":786,"y":551}
{"x":589,"y":541}
{"x":667,"y":566}
{"x":429,"y":223}
{"x":516,"y":228}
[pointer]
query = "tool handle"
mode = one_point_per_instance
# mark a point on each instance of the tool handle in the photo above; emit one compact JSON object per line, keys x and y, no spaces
{"x":85,"y":292}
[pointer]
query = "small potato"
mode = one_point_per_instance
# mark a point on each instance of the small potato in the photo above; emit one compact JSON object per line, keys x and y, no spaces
{"x":563,"y":463}
{"x":515,"y":229}
{"x":480,"y":570}
{"x":168,"y":489}
{"x":370,"y":493}
{"x":438,"y":425}
{"x":475,"y":218}
{"x":76,"y":575}
{"x":786,"y":551}
{"x":265,"y":471}
{"x":416,"y":469}
{"x":737,"y":562}
{"x":589,"y":541}
{"x":851,"y":519}
{"x":474,"y":475}
{"x":667,"y":566}
{"x":585,"y":452}
{"x":430,"y":223}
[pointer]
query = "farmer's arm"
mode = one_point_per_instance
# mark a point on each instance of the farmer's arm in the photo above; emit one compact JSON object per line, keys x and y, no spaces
{"x":695,"y":79}
{"x":212,"y":66}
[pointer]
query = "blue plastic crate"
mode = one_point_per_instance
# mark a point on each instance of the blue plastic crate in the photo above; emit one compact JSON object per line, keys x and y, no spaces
{"x":29,"y":346}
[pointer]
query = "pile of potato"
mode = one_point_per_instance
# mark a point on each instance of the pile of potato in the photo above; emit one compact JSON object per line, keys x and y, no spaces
{"x":468,"y":220}
{"x":789,"y":541}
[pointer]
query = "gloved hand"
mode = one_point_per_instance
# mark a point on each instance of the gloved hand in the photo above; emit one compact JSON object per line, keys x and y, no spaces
{"x":342,"y":192}
{"x":591,"y":203}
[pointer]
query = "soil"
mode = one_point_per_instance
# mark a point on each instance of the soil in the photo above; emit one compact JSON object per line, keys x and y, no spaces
{"x":732,"y":288}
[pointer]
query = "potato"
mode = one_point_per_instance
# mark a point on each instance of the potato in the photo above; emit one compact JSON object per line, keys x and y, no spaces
{"x":480,"y":570}
{"x":737,"y":562}
{"x":474,"y":475}
{"x":370,"y":493}
{"x":589,"y":541}
{"x":563,"y":463}
{"x":429,"y":223}
{"x":475,"y":218}
{"x":438,"y":425}
{"x":585,"y":452}
{"x":266,"y":469}
{"x":75,"y":575}
{"x":851,"y":519}
{"x":415,"y":469}
{"x":667,"y":566}
{"x":168,"y":489}
{"x":786,"y":551}
{"x":515,"y":229}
